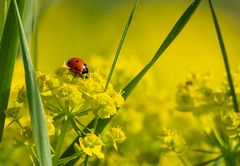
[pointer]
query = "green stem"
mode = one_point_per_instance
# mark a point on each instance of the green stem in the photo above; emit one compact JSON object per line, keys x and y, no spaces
{"x":75,"y":127}
{"x":95,"y":123}
{"x":31,"y":155}
{"x":237,"y":145}
{"x":230,"y":155}
{"x":230,"y":160}
{"x":215,"y":131}
{"x":58,"y":101}
{"x":225,"y":59}
{"x":86,"y":161}
{"x":209,"y":161}
{"x":182,"y":160}
{"x":78,"y":122}
{"x":60,"y":140}
{"x":202,"y":127}
{"x":19,"y":124}
{"x":204,"y":151}
{"x":81,"y":113}
{"x":64,"y":161}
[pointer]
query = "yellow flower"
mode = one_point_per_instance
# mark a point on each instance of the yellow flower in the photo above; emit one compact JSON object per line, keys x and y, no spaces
{"x":118,"y":99}
{"x":46,"y":83}
{"x":92,"y":144}
{"x":232,"y":124}
{"x":63,"y":74}
{"x":106,"y":104}
{"x":27,"y":135}
{"x":50,"y":126}
{"x":116,"y":135}
{"x":172,"y":141}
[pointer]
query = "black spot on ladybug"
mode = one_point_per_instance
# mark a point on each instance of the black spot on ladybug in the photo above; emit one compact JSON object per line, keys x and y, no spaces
{"x":77,"y":61}
{"x":68,"y":63}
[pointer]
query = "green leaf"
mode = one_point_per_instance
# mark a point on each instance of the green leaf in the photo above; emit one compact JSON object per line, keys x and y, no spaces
{"x":225,"y":58}
{"x":169,"y":39}
{"x":8,"y":52}
{"x":120,"y":45}
{"x":39,"y":125}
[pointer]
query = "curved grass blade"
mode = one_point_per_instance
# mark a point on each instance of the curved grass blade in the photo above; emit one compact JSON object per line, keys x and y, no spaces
{"x":8,"y":52}
{"x":120,"y":45}
{"x":225,"y":58}
{"x":102,"y":123}
{"x":169,"y":39}
{"x":39,"y":126}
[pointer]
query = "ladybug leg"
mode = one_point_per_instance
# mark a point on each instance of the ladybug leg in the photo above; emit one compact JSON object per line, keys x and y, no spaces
{"x":84,"y":76}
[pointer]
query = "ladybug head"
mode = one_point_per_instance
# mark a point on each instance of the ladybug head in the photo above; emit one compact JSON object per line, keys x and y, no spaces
{"x":85,"y":69}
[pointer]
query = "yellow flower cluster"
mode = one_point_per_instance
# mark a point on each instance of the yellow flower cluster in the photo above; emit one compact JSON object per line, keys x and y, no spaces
{"x":66,"y":95}
{"x":197,"y":94}
{"x":89,"y":92}
{"x":64,"y":90}
{"x":91,"y":144}
{"x":232,"y":124}
{"x":115,"y":135}
{"x":172,"y":141}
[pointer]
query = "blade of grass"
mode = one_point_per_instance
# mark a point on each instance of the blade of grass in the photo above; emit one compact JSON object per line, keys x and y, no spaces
{"x":8,"y":53}
{"x":102,"y":123}
{"x":120,"y":45}
{"x":4,"y":10}
{"x":35,"y":34}
{"x":169,"y":39}
{"x":39,"y":126}
{"x":225,"y":58}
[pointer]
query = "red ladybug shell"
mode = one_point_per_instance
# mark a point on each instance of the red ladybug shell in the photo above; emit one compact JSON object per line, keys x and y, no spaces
{"x":77,"y":65}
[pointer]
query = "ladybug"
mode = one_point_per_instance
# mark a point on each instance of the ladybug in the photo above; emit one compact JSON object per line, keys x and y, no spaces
{"x":78,"y":66}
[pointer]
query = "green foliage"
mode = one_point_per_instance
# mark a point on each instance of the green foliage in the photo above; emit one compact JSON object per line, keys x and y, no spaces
{"x":8,"y":53}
